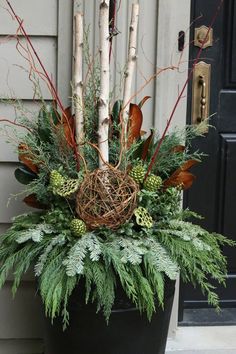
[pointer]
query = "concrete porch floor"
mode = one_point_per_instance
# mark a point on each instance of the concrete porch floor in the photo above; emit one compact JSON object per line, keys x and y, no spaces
{"x":203,"y":340}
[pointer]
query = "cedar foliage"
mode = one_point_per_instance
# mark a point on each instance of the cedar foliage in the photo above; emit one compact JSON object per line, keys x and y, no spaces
{"x":138,"y":259}
{"x":139,"y":262}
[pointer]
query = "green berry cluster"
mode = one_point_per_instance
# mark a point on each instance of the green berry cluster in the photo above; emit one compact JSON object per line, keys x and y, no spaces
{"x":138,"y":173}
{"x":78,"y":227}
{"x":152,"y":183}
{"x":143,"y":218}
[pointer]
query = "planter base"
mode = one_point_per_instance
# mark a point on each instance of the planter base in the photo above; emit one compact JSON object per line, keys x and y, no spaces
{"x":127,"y":333}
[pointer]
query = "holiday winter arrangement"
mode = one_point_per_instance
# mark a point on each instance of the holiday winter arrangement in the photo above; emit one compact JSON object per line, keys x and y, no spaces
{"x":108,"y":195}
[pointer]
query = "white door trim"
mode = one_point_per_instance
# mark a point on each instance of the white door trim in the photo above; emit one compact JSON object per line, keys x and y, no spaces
{"x":173,"y":17}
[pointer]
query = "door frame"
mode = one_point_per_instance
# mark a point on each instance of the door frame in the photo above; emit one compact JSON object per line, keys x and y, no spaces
{"x":173,"y":17}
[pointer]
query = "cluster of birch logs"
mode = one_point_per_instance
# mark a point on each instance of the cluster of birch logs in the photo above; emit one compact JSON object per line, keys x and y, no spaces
{"x":104,"y":43}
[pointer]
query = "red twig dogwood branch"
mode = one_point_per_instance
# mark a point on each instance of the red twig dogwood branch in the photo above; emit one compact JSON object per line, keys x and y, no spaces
{"x":183,"y":89}
{"x":16,"y":124}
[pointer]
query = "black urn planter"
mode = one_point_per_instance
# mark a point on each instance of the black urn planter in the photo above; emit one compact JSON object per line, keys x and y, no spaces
{"x":128,"y":332}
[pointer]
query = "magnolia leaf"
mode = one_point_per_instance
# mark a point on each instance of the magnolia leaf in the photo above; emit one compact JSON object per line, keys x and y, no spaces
{"x":67,"y":116}
{"x":68,"y":126}
{"x":25,"y":157}
{"x":50,"y":115}
{"x":32,"y":202}
{"x":44,"y":124}
{"x":141,"y":103}
{"x":116,"y":110}
{"x":183,"y":179}
{"x":178,"y":148}
{"x":54,"y":115}
{"x":188,"y":164}
{"x":24,"y":176}
{"x":135,"y":123}
{"x":146,"y":145}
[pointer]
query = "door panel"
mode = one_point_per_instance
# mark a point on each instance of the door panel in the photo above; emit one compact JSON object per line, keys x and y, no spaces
{"x":227,"y":193}
{"x":213,"y":195}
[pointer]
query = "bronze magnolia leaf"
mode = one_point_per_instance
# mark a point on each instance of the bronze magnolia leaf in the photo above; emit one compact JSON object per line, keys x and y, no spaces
{"x":135,"y":123}
{"x":181,"y":177}
{"x":26,"y":157}
{"x":32,"y":201}
{"x":141,"y":103}
{"x":178,"y":148}
{"x":184,"y":180}
{"x":146,"y":145}
{"x":68,"y":126}
{"x":188,"y":164}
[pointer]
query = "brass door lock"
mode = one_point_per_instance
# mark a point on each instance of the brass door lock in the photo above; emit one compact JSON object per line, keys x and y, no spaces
{"x":199,"y":36}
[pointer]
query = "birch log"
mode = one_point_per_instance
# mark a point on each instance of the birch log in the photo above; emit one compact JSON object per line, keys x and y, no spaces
{"x":78,"y":78}
{"x":103,"y":127}
{"x":129,"y":72}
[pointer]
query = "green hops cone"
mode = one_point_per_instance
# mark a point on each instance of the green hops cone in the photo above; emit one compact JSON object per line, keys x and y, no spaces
{"x":152,"y":183}
{"x":143,"y":218}
{"x":138,"y":173}
{"x":78,"y":227}
{"x":56,"y":179}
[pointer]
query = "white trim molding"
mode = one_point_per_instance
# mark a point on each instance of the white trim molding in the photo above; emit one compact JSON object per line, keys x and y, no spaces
{"x":173,"y":17}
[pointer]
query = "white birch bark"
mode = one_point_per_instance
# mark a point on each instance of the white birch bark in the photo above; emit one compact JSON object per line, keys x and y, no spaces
{"x":129,"y":72}
{"x":78,"y":78}
{"x":103,"y":128}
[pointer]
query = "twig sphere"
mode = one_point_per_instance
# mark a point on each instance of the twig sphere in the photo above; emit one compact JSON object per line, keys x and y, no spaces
{"x":106,"y":198}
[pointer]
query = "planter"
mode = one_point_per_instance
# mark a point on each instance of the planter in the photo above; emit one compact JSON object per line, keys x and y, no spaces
{"x":128,"y":332}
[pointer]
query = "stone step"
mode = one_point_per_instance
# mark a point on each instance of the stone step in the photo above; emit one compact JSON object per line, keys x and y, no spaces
{"x":203,"y":340}
{"x":202,"y":351}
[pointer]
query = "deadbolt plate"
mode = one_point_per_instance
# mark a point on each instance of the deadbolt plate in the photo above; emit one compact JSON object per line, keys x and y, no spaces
{"x":200,"y":34}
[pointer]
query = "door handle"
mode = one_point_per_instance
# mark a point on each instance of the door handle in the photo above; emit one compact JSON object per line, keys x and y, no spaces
{"x":201,"y":92}
{"x":202,"y":84}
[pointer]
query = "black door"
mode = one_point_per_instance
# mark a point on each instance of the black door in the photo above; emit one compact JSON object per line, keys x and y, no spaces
{"x":213,"y":195}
